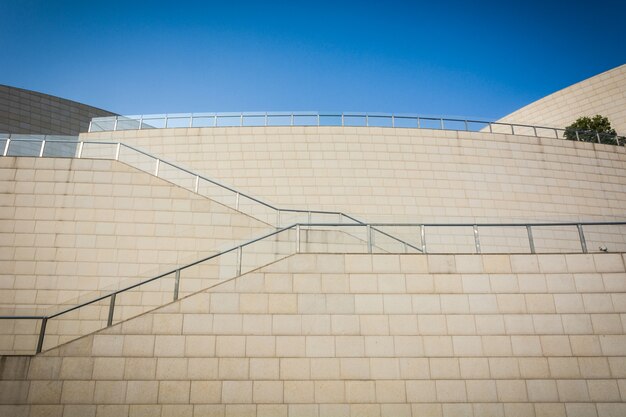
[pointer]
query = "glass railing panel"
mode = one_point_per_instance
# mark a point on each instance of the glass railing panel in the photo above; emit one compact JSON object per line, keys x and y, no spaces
{"x":23,"y":147}
{"x":455,"y":125}
{"x":137,"y":159}
{"x":354,"y":120}
{"x":208,"y":273}
{"x":257,"y":210}
{"x":76,"y":323}
{"x":329,"y":239}
{"x":97,"y":150}
{"x":254,"y":120}
{"x":398,"y":239}
{"x":102,"y":124}
{"x":502,"y":128}
{"x":145,"y":297}
{"x":405,"y":122}
{"x":278,"y":120}
{"x":305,"y":120}
{"x":330,"y":120}
{"x":128,"y":122}
{"x":268,"y":250}
{"x":379,"y":120}
{"x":177,"y":176}
{"x":476,"y":126}
{"x":228,"y":120}
{"x":178,"y":121}
{"x":503,"y":239}
{"x":203,"y":121}
{"x":60,"y":149}
{"x":450,"y":239}
{"x":605,"y":238}
{"x":556,"y":239}
{"x":430,"y":123}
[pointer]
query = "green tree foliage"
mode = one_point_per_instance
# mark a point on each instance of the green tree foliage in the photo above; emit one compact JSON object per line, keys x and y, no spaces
{"x":589,"y":129}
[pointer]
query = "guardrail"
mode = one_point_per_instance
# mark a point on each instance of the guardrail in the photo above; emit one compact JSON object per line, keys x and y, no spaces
{"x":255,"y":119}
{"x":294,"y":239}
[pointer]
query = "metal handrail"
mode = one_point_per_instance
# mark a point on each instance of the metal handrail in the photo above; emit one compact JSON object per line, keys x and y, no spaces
{"x":298,"y":226}
{"x":198,"y":177}
{"x":255,"y":119}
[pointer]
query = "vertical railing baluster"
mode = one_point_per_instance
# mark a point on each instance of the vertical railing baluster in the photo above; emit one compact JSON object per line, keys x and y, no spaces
{"x":176,"y":284}
{"x":197,"y":184}
{"x":156,"y":168}
{"x":6,"y":147}
{"x":393,"y":121}
{"x":581,"y":235}
{"x":140,"y":122}
{"x":115,"y":124}
{"x":117,"y":151}
{"x":43,"y":145}
{"x":476,"y":239}
{"x":531,"y":241}
{"x":441,"y":121}
{"x":298,"y":238}
{"x":80,"y":149}
{"x":239,"y":259}
{"x":237,"y":201}
{"x":111,"y":309}
{"x":423,"y":237}
{"x":42,"y":334}
{"x":368,"y":229}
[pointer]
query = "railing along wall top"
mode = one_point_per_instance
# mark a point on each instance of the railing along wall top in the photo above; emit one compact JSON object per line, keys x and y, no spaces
{"x":354,"y":119}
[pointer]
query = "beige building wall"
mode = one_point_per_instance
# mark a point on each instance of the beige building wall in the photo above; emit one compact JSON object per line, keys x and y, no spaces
{"x":25,"y":111}
{"x":69,"y":227}
{"x":356,"y":335}
{"x":402,"y":175}
{"x":603,"y":94}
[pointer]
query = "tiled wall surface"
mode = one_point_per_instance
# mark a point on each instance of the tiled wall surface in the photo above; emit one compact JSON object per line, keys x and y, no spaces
{"x":356,"y":335}
{"x":603,"y":94}
{"x":24,"y":111}
{"x":72,"y":226}
{"x":402,"y":175}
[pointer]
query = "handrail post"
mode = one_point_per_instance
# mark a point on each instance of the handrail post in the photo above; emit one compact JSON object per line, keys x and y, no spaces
{"x":309,"y":217}
{"x":367,"y":120}
{"x":196,"y":186}
{"x":418,"y":122}
{"x":241,"y":120}
{"x":43,"y":145}
{"x":556,"y":134}
{"x":393,"y":121}
{"x":6,"y":147}
{"x":115,"y":124}
{"x":237,"y":201}
{"x":581,"y":235}
{"x":176,"y":284}
{"x":490,"y":128}
{"x":512,"y":129}
{"x":165,"y":122}
{"x":80,"y":149}
{"x":577,"y":137}
{"x":42,"y":334}
{"x":441,"y":121}
{"x":291,"y":119}
{"x":369,"y":238}
{"x":278,"y":218}
{"x":535,"y":130}
{"x":531,"y":242}
{"x":191,"y":121}
{"x":476,"y":239}
{"x":598,"y":136}
{"x":423,"y":237}
{"x":111,"y":309}
{"x":117,"y":151}
{"x":298,"y":238}
{"x":466,"y":126}
{"x":342,"y":121}
{"x":156,"y":168}
{"x":140,"y":121}
{"x":318,"y":120}
{"x":239,"y":259}
{"x":89,"y":128}
{"x":265,"y":119}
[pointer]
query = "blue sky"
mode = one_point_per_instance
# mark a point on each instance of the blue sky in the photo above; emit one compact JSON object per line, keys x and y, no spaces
{"x":459,"y":58}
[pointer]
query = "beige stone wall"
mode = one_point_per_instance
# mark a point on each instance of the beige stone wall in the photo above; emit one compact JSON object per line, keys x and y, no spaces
{"x":402,"y":175}
{"x":356,"y":335}
{"x":25,"y":111}
{"x":69,"y":227}
{"x":603,"y":94}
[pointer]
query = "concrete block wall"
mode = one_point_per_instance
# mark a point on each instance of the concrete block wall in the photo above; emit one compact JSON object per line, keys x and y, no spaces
{"x":356,"y":335}
{"x":603,"y":94}
{"x":402,"y":175}
{"x":70,"y":227}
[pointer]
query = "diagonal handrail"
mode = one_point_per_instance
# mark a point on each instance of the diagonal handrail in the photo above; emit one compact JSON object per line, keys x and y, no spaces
{"x":197,"y":177}
{"x":297,"y":227}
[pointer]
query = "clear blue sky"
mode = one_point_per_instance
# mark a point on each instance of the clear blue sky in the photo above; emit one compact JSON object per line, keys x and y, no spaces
{"x":459,"y":58}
